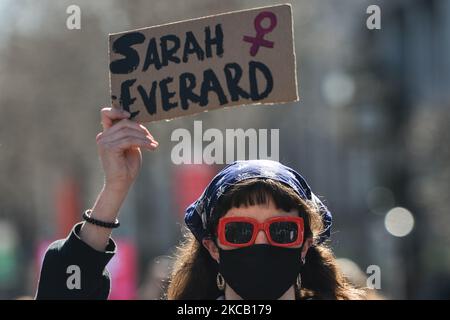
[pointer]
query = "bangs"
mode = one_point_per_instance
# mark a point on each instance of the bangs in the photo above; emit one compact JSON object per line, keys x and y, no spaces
{"x":260,"y":192}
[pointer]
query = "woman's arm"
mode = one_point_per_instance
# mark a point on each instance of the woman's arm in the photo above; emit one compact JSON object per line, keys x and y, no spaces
{"x":73,"y":270}
{"x":106,"y":208}
{"x":75,"y":267}
{"x":119,"y":150}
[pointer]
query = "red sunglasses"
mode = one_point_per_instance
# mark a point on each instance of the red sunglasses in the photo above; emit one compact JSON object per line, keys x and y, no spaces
{"x":242,"y":231}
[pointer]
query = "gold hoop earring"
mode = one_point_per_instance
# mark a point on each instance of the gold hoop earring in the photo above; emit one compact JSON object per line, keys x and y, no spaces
{"x":299,"y":282}
{"x":220,"y":282}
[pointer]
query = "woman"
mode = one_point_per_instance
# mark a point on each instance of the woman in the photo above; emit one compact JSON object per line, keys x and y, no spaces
{"x":257,"y":232}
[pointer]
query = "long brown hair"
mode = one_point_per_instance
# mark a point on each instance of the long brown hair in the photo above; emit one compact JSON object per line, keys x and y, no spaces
{"x":194,"y":271}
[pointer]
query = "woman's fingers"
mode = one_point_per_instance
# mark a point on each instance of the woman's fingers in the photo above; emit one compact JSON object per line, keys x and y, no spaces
{"x":125,"y":132}
{"x":128,"y":142}
{"x":110,"y":139}
{"x":116,"y":126}
{"x":125,"y":123}
{"x":109,"y":115}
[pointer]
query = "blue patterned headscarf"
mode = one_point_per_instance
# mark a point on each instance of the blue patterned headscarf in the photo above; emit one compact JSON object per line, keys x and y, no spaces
{"x":199,"y":213}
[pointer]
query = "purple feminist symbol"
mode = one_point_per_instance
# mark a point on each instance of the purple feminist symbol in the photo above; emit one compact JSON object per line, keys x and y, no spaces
{"x":259,"y":40}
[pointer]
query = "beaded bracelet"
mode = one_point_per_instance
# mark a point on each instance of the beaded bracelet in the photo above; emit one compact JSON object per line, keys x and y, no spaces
{"x":110,"y":225}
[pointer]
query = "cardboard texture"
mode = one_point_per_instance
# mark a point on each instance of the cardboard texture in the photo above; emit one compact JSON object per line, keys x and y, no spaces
{"x":237,"y":58}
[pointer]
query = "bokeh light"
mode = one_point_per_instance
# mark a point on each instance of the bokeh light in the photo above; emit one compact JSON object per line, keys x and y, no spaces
{"x":399,"y":222}
{"x":338,"y":89}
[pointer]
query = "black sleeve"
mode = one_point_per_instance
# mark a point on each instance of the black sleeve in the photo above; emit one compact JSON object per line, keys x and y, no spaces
{"x":73,"y":270}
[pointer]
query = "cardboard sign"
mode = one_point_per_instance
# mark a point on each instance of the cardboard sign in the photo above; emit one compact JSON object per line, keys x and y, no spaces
{"x":178,"y":69}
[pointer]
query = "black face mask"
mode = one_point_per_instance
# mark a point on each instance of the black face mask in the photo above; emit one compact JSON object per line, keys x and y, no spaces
{"x":260,"y":271}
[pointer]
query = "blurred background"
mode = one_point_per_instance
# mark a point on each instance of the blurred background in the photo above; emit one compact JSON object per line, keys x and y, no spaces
{"x":370,"y":134}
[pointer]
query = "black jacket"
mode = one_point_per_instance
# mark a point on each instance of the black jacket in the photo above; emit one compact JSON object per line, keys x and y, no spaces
{"x":68,"y":258}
